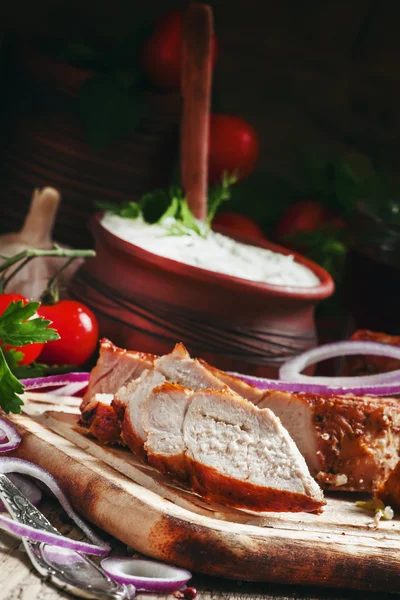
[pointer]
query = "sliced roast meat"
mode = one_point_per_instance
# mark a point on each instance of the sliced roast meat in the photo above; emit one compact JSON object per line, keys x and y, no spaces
{"x":178,"y":367}
{"x":163,"y":414}
{"x":115,"y":367}
{"x":250,"y":392}
{"x":229,"y":450}
{"x":349,"y":443}
{"x":101,"y":420}
{"x":389,"y":489}
{"x":132,"y":396}
{"x":367,"y":365}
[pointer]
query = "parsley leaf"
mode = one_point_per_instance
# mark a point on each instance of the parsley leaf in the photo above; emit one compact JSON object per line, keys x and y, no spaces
{"x":158,"y":205}
{"x":34,"y":369}
{"x":10,"y":387}
{"x":219,"y":194}
{"x":17,"y":328}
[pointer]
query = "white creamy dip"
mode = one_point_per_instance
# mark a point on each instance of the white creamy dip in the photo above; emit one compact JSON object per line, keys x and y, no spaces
{"x":214,"y":252}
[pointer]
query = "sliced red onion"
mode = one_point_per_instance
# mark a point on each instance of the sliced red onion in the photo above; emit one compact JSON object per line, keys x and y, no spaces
{"x":147,"y":575}
{"x":386,"y":389}
{"x":27,"y":488}
{"x":70,"y":389}
{"x":24,"y":467}
{"x":40,"y":535}
{"x":291,"y":370}
{"x":61,"y":380}
{"x":9,"y":438}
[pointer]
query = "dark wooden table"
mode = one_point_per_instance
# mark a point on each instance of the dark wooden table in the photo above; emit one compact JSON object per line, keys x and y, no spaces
{"x":19,"y":581}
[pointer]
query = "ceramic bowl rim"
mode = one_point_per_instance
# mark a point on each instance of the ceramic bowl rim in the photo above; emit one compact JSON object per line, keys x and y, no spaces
{"x":323,"y":290}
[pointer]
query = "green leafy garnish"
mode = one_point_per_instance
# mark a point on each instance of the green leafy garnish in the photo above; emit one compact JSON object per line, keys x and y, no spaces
{"x":185,"y":222}
{"x":219,"y":194}
{"x":16,"y":330}
{"x":129,"y":210}
{"x":34,"y":369}
{"x":157,"y":206}
{"x":378,"y":507}
{"x":10,"y":387}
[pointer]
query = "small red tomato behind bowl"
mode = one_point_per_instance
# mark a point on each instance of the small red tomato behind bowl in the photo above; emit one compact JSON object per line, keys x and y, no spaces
{"x":162,"y":52}
{"x":304,"y":215}
{"x":78,"y":330}
{"x":234,"y":147}
{"x":30,"y":351}
{"x":240,"y":224}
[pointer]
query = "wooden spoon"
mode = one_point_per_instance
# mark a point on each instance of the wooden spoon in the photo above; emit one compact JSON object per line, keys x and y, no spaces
{"x":196,"y":91}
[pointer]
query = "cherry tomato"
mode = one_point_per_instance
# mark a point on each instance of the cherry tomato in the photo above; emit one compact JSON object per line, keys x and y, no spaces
{"x":305,"y":215}
{"x":78,"y":330}
{"x":234,"y":147}
{"x":162,"y":52}
{"x":241,"y":224}
{"x":30,"y":351}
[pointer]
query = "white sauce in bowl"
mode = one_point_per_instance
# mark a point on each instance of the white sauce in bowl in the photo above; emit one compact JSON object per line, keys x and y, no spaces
{"x":214,"y":252}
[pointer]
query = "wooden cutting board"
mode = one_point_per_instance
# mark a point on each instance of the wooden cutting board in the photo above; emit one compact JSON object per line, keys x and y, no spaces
{"x":137,"y":505}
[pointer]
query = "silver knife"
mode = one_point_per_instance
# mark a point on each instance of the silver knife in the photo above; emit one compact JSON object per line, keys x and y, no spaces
{"x":69,"y":570}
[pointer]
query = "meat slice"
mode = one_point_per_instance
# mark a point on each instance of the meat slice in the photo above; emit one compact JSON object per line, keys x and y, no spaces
{"x":368,"y":365}
{"x":163,"y":414}
{"x":178,"y":367}
{"x":229,"y":450}
{"x":114,"y":368}
{"x":250,"y":392}
{"x":349,"y":443}
{"x":132,"y":396}
{"x":101,"y":420}
{"x":389,"y":489}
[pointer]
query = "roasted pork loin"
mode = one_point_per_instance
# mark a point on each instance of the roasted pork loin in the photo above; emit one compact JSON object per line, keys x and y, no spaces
{"x":115,"y":367}
{"x":227,"y":449}
{"x":348,"y":443}
{"x":368,"y":365}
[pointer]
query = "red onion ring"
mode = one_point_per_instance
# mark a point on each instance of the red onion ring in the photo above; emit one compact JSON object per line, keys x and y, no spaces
{"x":9,"y":438}
{"x":24,"y":467}
{"x":387,"y":389}
{"x":40,"y":535}
{"x":291,"y":370}
{"x":146,"y":575}
{"x":64,"y":379}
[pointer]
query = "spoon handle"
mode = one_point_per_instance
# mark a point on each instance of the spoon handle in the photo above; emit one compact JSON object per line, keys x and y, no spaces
{"x":196,"y":91}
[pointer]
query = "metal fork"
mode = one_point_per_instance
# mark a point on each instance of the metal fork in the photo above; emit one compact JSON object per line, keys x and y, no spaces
{"x":67,"y":569}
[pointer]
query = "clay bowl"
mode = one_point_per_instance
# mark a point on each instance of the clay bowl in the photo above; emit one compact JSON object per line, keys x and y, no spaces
{"x":148,"y":303}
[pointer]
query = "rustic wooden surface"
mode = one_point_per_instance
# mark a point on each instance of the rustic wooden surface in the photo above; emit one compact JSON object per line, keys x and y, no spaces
{"x":18,"y":581}
{"x":337,"y":549}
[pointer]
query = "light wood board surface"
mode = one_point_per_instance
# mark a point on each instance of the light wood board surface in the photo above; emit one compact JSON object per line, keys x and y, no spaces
{"x":340,"y":548}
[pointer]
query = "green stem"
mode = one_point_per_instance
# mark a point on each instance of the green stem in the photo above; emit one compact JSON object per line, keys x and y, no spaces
{"x":5,"y":281}
{"x":51,"y":295}
{"x":57,"y":252}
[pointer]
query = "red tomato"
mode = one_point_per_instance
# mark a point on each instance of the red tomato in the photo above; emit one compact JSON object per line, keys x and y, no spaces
{"x":237,"y":223}
{"x":305,"y":215}
{"x":78,"y":330}
{"x":234,"y":147}
{"x":30,"y":351}
{"x":162,"y":52}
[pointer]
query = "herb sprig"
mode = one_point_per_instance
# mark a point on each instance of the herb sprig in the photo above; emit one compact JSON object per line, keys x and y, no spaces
{"x":159,"y":205}
{"x":19,"y":327}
